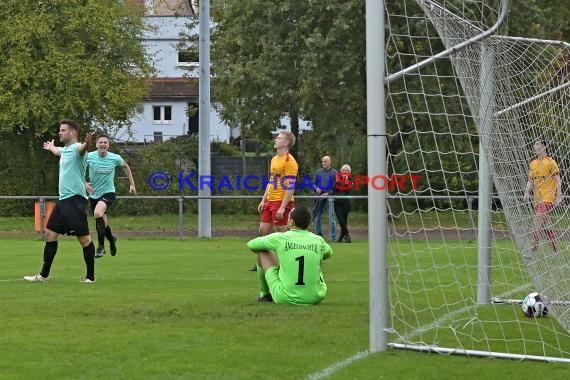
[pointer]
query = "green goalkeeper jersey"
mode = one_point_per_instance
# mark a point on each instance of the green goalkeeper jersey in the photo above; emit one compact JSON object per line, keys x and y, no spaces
{"x":300,"y":254}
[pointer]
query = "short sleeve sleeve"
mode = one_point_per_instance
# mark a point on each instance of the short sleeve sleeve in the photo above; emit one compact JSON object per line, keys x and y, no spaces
{"x":291,"y":170}
{"x":264,"y":243}
{"x":119,"y":160}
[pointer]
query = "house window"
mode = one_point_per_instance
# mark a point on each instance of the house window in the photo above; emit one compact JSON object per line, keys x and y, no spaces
{"x":162,"y":114}
{"x":188,"y":58}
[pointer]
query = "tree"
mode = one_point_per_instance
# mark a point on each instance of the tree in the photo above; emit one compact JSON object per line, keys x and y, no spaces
{"x":256,"y":50}
{"x":308,"y":56}
{"x":78,"y":59}
{"x":545,"y":19}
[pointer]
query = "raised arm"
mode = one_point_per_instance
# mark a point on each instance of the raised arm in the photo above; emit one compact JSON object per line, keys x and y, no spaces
{"x":83,"y":147}
{"x":49,"y":145}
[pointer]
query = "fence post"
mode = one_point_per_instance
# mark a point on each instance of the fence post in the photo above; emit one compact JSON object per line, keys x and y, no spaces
{"x":332,"y":217}
{"x":42,"y":216}
{"x":181,"y":217}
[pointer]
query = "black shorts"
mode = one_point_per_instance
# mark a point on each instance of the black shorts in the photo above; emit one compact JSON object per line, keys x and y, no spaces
{"x":108,"y":198}
{"x":69,"y":217}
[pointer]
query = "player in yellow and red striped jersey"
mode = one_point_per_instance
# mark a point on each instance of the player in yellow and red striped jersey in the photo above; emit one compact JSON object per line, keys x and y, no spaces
{"x":546,"y":185}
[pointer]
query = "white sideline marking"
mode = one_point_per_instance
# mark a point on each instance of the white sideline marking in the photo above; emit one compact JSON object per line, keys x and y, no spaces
{"x":330,"y":370}
{"x":338,"y":365}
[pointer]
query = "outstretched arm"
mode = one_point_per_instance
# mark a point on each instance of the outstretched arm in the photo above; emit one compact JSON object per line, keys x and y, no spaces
{"x":83,"y":147}
{"x":49,"y":145}
{"x":129,"y":173}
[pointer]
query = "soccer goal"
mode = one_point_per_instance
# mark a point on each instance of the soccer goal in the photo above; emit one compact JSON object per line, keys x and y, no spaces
{"x":464,"y":107}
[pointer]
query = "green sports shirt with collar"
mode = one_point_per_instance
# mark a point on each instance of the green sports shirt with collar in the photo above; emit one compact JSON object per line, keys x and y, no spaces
{"x":300,"y":254}
{"x":71,"y":172}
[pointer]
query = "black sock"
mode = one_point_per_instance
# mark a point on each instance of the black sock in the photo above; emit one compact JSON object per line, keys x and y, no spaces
{"x":100,"y":227}
{"x":109,"y":235}
{"x":89,"y":257}
{"x":50,"y":250}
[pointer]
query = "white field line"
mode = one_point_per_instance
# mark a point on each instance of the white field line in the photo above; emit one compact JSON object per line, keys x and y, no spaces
{"x":335,"y":367}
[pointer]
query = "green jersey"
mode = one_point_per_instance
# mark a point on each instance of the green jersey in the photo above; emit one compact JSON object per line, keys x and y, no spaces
{"x":102,"y":172}
{"x":71,"y":172}
{"x":300,"y":254}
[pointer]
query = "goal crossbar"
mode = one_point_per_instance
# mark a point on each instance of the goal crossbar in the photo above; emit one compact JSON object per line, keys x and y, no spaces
{"x":447,"y":52}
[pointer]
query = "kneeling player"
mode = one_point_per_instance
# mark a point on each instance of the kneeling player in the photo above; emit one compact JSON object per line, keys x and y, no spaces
{"x":291,"y":262}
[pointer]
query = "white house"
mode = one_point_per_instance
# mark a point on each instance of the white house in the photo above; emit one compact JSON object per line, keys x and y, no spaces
{"x":165,"y":112}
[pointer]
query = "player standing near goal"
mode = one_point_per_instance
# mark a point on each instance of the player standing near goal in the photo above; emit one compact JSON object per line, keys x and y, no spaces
{"x":544,"y":181}
{"x":101,"y":189}
{"x":70,"y":214}
{"x":277,"y":200}
{"x":291,"y":261}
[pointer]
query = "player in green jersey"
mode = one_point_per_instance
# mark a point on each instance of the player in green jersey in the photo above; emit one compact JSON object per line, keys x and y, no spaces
{"x":101,"y":189}
{"x":70,"y":215}
{"x":291,"y":261}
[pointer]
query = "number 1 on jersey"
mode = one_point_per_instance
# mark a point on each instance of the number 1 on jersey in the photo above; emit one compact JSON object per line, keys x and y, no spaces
{"x":301,"y":260}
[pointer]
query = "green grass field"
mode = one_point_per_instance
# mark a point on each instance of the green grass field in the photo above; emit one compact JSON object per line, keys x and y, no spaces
{"x":164,"y":222}
{"x":169,"y":308}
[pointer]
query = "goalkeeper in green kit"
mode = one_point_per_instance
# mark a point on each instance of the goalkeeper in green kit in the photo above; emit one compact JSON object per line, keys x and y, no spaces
{"x":291,"y":262}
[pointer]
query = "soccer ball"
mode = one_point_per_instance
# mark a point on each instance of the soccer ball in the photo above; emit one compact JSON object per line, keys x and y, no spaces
{"x":534,"y":305}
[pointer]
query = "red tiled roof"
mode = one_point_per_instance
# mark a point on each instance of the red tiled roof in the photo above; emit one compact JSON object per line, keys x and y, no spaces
{"x":134,"y":2}
{"x":173,"y":88}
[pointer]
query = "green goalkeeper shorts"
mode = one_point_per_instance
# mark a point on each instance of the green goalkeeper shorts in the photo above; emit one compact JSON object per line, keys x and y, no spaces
{"x":297,"y":296}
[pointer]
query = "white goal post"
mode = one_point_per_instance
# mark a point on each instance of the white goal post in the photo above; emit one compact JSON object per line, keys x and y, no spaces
{"x":453,"y":100}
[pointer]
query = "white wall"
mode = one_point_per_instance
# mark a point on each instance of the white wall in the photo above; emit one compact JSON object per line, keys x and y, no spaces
{"x":143,"y":126}
{"x":161,"y":46}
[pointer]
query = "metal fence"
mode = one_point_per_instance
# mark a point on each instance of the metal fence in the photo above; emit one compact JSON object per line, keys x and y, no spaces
{"x":182,"y":199}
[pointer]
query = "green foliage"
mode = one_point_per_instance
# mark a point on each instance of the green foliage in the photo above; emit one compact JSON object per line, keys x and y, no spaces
{"x":78,"y":59}
{"x":18,"y":150}
{"x":222,"y":149}
{"x":546,"y":19}
{"x":175,"y":156}
{"x":332,"y":69}
{"x":275,"y":58}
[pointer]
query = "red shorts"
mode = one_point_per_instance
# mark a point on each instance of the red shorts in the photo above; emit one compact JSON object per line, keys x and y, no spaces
{"x":269,"y":213}
{"x":543,"y":208}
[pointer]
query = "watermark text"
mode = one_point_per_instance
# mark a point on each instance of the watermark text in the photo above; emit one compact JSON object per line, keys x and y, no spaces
{"x":192,"y":181}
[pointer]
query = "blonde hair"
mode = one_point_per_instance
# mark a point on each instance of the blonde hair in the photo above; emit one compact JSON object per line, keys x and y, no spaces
{"x":346,"y":168}
{"x":290,"y":137}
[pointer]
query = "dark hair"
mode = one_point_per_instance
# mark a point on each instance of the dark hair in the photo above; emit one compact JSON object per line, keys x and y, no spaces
{"x":103,"y":135}
{"x":544,"y":143}
{"x":301,"y":216}
{"x":71,"y":123}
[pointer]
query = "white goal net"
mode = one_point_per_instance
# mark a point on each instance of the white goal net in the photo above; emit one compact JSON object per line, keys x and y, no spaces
{"x":484,"y":94}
